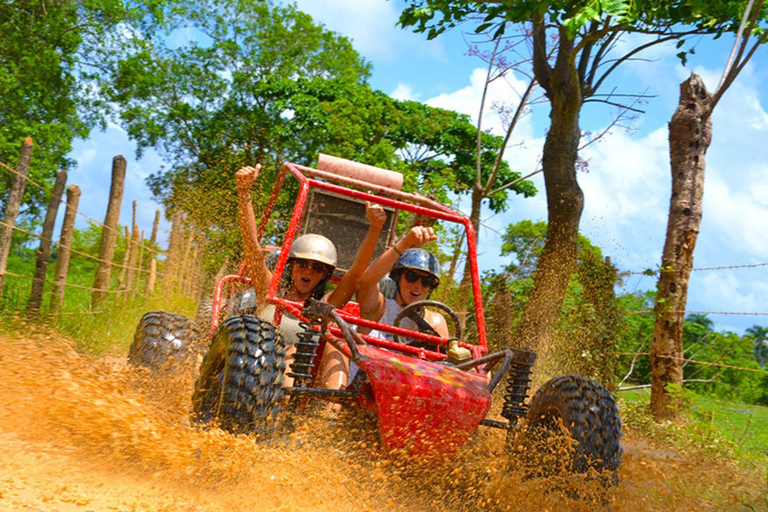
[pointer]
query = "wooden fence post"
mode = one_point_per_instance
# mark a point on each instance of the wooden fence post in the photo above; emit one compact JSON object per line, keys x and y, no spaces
{"x":132,"y":261}
{"x":152,"y":276}
{"x":139,"y":266}
{"x":149,"y":287}
{"x":12,"y":206}
{"x":109,"y":232}
{"x":44,"y":251}
{"x":170,"y":277}
{"x":65,"y":245}
{"x":124,"y":265}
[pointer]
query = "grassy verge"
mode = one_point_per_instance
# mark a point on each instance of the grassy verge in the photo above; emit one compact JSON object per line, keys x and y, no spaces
{"x":108,"y":330}
{"x":718,"y":427}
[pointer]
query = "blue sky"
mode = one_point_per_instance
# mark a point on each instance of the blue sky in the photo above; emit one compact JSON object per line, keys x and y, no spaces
{"x":626,"y":188}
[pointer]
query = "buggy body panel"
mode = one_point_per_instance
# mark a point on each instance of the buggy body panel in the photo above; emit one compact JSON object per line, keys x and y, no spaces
{"x":424,"y":408}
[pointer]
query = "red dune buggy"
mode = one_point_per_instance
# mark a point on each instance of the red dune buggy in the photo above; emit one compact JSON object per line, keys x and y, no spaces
{"x":418,"y":394}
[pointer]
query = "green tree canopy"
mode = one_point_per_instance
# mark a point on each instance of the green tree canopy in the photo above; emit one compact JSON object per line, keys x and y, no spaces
{"x":263,"y":84}
{"x":54,"y":58}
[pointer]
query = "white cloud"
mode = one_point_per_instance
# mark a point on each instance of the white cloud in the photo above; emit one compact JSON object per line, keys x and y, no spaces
{"x":404,"y":92}
{"x":371,"y":25}
{"x":504,"y":93}
{"x":94,"y":158}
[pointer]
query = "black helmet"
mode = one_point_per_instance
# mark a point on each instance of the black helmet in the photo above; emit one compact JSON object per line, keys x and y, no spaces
{"x":417,"y":259}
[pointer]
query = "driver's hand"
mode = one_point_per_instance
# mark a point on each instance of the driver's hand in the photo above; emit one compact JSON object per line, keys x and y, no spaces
{"x":376,"y":214}
{"x":418,"y":236}
{"x":246,"y":176}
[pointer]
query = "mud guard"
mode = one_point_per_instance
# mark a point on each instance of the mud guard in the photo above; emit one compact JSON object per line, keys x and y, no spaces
{"x":425,"y":409}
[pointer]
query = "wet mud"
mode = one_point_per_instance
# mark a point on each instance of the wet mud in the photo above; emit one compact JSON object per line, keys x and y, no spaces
{"x":79,"y":433}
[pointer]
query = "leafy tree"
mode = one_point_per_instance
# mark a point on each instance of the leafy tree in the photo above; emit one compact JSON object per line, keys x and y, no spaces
{"x":263,"y":83}
{"x":634,"y":337}
{"x":53,"y":58}
{"x":760,"y":339}
{"x":574,"y":51}
{"x":715,"y":364}
{"x":587,"y":333}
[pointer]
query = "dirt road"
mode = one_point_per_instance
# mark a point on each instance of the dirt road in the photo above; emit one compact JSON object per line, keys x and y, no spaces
{"x":89,"y":434}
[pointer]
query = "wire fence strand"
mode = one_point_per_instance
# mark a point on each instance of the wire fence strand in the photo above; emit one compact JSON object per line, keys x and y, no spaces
{"x":80,"y":253}
{"x":78,"y":212}
{"x":696,"y":361}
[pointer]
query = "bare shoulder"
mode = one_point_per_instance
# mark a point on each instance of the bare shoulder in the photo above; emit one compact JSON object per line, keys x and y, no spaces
{"x":437,"y":321}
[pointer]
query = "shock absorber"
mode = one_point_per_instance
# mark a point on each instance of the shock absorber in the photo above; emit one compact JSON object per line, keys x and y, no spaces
{"x":306,"y":351}
{"x":517,"y":386}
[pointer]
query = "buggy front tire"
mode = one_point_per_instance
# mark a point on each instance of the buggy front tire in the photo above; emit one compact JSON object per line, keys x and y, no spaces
{"x":241,"y":376}
{"x":583,"y":414}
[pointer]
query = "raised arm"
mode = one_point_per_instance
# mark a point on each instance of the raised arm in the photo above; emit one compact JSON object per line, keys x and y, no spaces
{"x":254,"y":256}
{"x":369,"y":295}
{"x":351,"y":280}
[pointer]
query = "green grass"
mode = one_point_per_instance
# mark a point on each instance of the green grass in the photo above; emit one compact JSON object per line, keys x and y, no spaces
{"x":109,"y":330}
{"x":718,"y":427}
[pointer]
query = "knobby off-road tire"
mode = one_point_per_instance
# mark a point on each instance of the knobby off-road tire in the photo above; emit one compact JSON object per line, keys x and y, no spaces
{"x":241,"y":377}
{"x":582,"y":410}
{"x":163,"y":342}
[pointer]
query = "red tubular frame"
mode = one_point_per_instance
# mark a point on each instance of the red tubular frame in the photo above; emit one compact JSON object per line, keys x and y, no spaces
{"x":425,"y":207}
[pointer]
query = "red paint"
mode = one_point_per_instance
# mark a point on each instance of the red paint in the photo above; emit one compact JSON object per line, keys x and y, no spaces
{"x":424,"y":408}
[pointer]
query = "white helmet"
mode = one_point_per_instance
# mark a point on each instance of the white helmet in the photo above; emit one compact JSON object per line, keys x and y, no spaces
{"x":314,"y":247}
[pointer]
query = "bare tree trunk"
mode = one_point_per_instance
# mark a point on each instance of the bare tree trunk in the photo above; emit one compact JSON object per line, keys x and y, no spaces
{"x":109,"y":232}
{"x":186,"y":263}
{"x":565,"y":200}
{"x":44,"y":250}
{"x":65,"y":246}
{"x":12,"y":206}
{"x":690,"y":133}
{"x":466,"y":279}
{"x":152,"y":276}
{"x":132,"y":246}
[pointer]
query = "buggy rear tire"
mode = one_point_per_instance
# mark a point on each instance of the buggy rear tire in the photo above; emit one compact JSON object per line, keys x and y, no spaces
{"x":164,"y":341}
{"x":587,"y":413}
{"x":241,"y":376}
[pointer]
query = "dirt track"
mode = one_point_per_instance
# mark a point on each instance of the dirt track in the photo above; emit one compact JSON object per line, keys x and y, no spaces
{"x":80,"y":434}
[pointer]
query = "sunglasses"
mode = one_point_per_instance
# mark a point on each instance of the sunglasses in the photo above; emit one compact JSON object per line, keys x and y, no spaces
{"x":426,"y":281}
{"x":316,"y":265}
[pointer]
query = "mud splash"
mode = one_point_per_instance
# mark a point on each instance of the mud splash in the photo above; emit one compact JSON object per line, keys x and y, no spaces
{"x":82,"y":434}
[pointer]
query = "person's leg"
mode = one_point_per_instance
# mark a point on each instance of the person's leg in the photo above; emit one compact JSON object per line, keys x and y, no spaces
{"x":334,"y":368}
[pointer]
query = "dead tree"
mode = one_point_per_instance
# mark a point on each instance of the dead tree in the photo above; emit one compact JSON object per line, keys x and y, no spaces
{"x":150,"y":284}
{"x":690,"y":133}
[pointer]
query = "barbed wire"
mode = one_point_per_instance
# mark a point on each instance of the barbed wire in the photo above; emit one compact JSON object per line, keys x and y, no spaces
{"x":70,"y":285}
{"x":696,"y":312}
{"x":696,"y":361}
{"x":118,"y":231}
{"x":85,"y":255}
{"x":650,"y":272}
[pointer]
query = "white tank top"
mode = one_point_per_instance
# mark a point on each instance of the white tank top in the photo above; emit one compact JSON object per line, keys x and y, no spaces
{"x":391,"y":310}
{"x":289,"y":324}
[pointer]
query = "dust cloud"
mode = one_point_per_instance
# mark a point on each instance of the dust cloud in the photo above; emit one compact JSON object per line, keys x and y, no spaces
{"x":92,"y":434}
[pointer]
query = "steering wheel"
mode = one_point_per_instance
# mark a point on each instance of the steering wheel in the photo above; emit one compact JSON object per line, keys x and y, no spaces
{"x":412,"y":310}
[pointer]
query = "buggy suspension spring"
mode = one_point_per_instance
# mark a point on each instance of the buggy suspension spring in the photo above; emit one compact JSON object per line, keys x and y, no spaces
{"x":306,"y":351}
{"x":517,"y":386}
